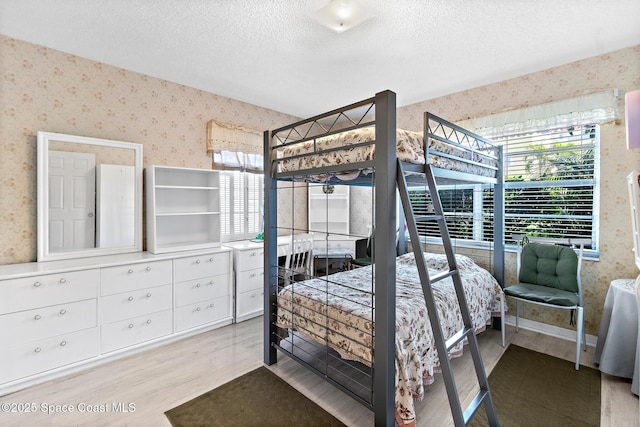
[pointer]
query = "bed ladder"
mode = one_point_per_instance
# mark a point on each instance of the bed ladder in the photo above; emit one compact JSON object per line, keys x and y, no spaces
{"x":460,"y":417}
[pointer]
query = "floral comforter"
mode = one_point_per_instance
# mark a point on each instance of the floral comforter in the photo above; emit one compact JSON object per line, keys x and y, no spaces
{"x":409,"y":148}
{"x":339,"y":313}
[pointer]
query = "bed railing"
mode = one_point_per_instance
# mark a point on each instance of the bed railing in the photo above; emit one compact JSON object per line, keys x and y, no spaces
{"x":299,"y":140}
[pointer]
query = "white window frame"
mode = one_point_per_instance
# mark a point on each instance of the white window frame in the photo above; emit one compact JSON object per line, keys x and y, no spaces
{"x":247,"y":220}
{"x":478,"y":212}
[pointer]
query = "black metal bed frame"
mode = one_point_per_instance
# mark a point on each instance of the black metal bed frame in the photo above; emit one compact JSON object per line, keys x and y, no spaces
{"x":380,"y":112}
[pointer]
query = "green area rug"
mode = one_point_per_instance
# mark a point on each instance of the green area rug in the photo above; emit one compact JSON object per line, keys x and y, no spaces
{"x":259,"y":398}
{"x":535,"y":389}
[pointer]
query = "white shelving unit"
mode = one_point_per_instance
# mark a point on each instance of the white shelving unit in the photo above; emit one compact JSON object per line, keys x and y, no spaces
{"x":329,"y":218}
{"x":328,"y":209}
{"x":183,"y":209}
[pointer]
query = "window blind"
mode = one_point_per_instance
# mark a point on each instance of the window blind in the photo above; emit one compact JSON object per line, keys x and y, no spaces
{"x":241,"y":198}
{"x":551,"y":183}
{"x":551,"y":190}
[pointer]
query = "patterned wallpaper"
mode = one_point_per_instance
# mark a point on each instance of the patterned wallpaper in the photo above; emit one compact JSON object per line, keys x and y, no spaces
{"x":619,"y":69}
{"x":45,"y":89}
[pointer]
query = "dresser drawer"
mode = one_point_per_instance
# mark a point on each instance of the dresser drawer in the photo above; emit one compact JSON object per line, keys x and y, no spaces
{"x":249,"y":280}
{"x":22,"y":360}
{"x":135,"y":303}
{"x":249,"y":259}
{"x":130,"y":277}
{"x":196,"y":267}
{"x":198,"y":290}
{"x":134,"y":331}
{"x":45,"y":290}
{"x":201,"y":313}
{"x":46,"y":322}
{"x":249,"y":302}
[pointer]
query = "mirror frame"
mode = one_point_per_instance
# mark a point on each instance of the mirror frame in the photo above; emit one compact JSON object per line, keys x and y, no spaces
{"x":44,"y":254}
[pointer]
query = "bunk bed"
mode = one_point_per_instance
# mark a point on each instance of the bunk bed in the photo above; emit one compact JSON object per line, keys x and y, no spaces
{"x":360,"y":145}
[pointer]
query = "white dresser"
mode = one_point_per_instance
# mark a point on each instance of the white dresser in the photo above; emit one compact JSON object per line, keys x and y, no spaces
{"x":248,"y":266}
{"x":46,"y":321}
{"x":60,"y":316}
{"x":135,"y":304}
{"x":248,"y":269}
{"x":203,"y":290}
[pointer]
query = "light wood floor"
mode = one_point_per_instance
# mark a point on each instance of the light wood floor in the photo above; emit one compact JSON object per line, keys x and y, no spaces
{"x":162,"y":378}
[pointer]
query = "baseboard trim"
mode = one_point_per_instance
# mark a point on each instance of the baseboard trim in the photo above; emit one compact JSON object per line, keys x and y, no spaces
{"x":543,"y":328}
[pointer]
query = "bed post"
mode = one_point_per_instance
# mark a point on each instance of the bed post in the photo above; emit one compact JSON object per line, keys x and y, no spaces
{"x":498,"y":220}
{"x":385,"y":259}
{"x":270,"y":252}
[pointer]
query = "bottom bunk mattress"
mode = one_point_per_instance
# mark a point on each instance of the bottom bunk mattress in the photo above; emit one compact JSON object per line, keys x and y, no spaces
{"x":338,"y":311}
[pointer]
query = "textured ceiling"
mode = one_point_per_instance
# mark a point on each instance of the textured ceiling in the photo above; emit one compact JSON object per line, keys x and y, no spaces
{"x":272,"y":54}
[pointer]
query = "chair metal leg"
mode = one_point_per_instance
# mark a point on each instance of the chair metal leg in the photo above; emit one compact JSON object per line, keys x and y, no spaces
{"x":517,"y":313}
{"x":580,"y":328}
{"x":584,"y":338}
{"x":502,"y":311}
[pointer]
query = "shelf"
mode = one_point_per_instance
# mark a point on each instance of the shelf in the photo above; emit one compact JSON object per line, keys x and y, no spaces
{"x":185,"y":245}
{"x":186,"y":213}
{"x":328,"y":212}
{"x":184,"y":177}
{"x":186,"y":187}
{"x":183,"y":209}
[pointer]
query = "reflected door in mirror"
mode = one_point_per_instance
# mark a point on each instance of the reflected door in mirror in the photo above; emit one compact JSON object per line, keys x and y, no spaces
{"x":71,"y":201}
{"x":115,"y":196}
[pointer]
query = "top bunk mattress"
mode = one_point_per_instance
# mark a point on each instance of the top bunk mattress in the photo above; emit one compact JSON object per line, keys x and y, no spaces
{"x":358,"y":146}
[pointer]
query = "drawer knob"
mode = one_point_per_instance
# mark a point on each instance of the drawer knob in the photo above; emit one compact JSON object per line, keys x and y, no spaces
{"x":63,"y":343}
{"x":210,"y":259}
{"x":37,"y":350}
{"x":211,"y":282}
{"x":130,"y":325}
{"x":130,"y":299}
{"x":253,"y":254}
{"x":148,"y":268}
{"x":197,"y":308}
{"x":37,"y":317}
{"x":197,"y":285}
{"x":63,"y":311}
{"x":253,"y":275}
{"x":148,"y":294}
{"x":197,"y":261}
{"x":148,"y":321}
{"x":37,"y":284}
{"x":130,"y":271}
{"x":63,"y":280}
{"x":211,"y":305}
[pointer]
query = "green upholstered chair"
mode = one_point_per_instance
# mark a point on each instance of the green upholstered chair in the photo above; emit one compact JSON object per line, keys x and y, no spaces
{"x":367,"y":260}
{"x":550,"y":275}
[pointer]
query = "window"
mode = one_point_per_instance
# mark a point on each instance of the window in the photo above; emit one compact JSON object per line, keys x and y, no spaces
{"x":551,"y":190}
{"x":241,"y":200}
{"x":468,"y":210}
{"x":551,"y":183}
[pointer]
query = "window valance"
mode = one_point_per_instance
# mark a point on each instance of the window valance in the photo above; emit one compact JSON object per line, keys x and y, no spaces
{"x":234,"y":147}
{"x":595,"y":108}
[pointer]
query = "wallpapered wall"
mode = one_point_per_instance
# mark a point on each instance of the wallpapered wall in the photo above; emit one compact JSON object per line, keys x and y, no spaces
{"x":45,"y":89}
{"x":620,"y":69}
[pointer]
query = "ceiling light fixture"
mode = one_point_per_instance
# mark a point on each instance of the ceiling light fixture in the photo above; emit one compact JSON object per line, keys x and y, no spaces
{"x":341,"y":15}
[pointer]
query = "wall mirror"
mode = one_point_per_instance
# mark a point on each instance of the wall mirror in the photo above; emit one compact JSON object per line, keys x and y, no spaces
{"x":89,"y":196}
